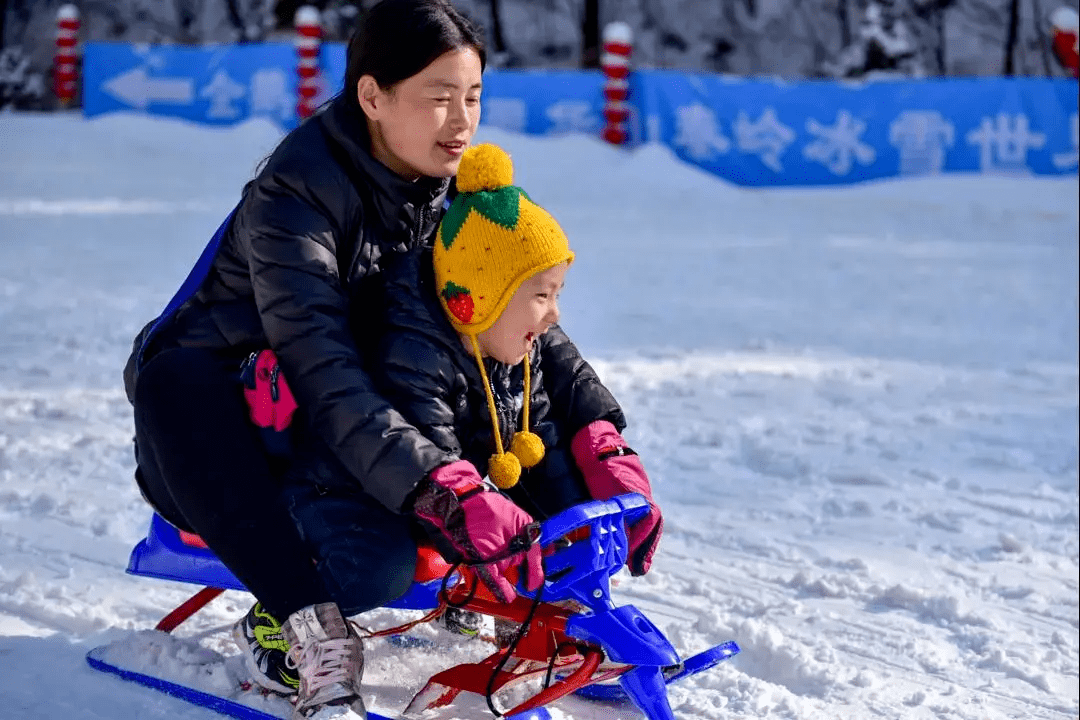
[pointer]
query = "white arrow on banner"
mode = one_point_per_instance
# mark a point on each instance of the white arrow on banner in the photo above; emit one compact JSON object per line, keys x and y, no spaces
{"x":138,"y":89}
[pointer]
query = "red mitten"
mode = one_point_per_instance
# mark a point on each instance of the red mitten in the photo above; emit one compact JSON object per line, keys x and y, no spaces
{"x":472,"y":523}
{"x":612,"y":468}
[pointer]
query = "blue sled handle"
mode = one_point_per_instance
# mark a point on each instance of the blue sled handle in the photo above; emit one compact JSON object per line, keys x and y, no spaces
{"x":631,"y":507}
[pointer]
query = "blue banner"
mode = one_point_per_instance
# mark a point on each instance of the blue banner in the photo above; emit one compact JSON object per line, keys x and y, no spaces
{"x":217,"y":85}
{"x":230,"y":84}
{"x":544,"y":102}
{"x":817,"y":133}
{"x":750,"y":132}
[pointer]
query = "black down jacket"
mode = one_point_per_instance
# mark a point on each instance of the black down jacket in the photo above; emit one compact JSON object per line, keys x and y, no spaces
{"x":298,"y":271}
{"x":432,"y":378}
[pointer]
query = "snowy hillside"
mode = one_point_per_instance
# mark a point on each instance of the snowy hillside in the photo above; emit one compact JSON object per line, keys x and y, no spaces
{"x":858,"y":407}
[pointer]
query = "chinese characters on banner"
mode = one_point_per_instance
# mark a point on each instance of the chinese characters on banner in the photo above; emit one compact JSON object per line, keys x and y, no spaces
{"x":817,"y":133}
{"x":750,"y":132}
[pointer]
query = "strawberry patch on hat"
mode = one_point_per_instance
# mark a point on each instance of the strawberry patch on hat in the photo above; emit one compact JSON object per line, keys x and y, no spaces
{"x":459,"y":302}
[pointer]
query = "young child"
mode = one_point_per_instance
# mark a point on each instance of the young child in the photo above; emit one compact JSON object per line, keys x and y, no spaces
{"x":462,"y":344}
{"x":461,"y":353}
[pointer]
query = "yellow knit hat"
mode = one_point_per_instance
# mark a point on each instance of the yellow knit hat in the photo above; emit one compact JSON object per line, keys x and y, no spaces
{"x":492,"y":239}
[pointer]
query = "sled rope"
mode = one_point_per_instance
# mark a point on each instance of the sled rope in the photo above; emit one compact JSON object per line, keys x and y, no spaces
{"x":398,"y":630}
{"x":489,"y":690}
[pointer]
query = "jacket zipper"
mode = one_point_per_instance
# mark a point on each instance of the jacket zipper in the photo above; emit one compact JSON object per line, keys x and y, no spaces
{"x":504,"y":413}
{"x":418,"y":233}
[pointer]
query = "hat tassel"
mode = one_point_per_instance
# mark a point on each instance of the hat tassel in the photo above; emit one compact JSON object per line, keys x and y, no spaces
{"x":526,"y":445}
{"x":526,"y":448}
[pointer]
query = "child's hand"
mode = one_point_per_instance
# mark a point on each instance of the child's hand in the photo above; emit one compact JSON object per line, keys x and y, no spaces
{"x":472,"y":524}
{"x":611,"y":468}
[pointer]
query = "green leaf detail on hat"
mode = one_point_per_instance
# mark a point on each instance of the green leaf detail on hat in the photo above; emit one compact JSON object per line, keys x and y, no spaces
{"x":452,"y":289}
{"x":500,"y":206}
{"x":453,"y":220}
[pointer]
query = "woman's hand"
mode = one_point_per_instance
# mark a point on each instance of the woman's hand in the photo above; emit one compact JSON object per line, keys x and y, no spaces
{"x":472,"y":523}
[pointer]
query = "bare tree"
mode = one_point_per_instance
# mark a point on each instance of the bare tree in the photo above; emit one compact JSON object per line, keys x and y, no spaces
{"x":497,"y":27}
{"x":653,"y":26}
{"x":1011,"y":37}
{"x":20,"y":12}
{"x":815,"y":34}
{"x":843,"y":15}
{"x":590,"y":34}
{"x":930,"y":15}
{"x":986,"y":19}
{"x":236,"y":20}
{"x":1043,"y":36}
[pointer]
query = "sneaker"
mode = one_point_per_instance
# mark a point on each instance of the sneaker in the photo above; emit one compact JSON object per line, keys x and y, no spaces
{"x":329,"y":656}
{"x":264,"y":649}
{"x":505,"y":632}
{"x":462,"y":622}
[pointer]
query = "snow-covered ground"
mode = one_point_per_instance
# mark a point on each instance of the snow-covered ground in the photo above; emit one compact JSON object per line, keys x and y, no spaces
{"x":858,"y":407}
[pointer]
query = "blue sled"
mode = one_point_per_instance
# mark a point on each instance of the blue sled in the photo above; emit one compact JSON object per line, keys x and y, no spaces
{"x":584,"y":546}
{"x":693,"y":665}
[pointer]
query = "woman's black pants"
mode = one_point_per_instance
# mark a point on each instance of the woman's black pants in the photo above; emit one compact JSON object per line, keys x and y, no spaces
{"x":203,"y":466}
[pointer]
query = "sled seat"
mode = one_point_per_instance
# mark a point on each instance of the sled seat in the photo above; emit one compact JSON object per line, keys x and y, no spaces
{"x":575,"y":571}
{"x":172,"y":554}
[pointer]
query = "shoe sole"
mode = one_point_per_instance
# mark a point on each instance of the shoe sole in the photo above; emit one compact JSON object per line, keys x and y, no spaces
{"x":257,"y":676}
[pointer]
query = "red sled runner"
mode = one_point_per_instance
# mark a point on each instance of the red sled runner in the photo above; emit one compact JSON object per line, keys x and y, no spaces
{"x":571,"y":633}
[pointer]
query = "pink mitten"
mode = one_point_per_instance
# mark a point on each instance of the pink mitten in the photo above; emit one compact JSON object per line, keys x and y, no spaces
{"x":612,"y":468}
{"x":474,"y":524}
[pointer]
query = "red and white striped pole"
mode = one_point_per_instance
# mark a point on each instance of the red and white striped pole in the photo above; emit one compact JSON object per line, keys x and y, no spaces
{"x":308,"y":39}
{"x":65,"y":72}
{"x":615,"y":64}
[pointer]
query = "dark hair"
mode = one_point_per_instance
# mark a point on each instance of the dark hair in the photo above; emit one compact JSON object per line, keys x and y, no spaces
{"x":399,"y":38}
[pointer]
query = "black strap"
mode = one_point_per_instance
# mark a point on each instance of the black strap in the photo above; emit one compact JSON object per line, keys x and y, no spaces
{"x":615,"y":452}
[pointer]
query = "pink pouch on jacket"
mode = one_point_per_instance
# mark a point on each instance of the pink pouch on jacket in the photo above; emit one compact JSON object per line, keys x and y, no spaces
{"x":268,"y":395}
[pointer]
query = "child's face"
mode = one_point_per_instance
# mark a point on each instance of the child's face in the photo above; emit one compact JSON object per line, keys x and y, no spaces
{"x":531,"y":311}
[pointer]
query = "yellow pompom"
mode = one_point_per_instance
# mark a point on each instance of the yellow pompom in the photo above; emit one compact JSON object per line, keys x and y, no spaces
{"x":484,"y":167}
{"x":504,"y":470}
{"x":528,"y":447}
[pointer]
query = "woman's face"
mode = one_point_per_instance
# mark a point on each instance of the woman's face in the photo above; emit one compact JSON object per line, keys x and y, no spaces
{"x":422,"y":125}
{"x":531,"y":311}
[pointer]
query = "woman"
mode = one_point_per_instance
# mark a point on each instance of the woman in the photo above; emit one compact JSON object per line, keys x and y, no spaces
{"x":298,"y":271}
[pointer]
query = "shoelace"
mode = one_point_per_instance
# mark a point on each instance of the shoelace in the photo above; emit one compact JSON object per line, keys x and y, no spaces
{"x":330,"y":661}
